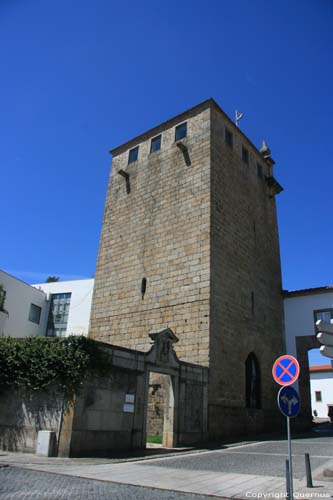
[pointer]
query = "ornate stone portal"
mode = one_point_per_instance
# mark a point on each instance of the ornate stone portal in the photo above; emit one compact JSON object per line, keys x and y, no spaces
{"x":162,"y":353}
{"x":111,"y":413}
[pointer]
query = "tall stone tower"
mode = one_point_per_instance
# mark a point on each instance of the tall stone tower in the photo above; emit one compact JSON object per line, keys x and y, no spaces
{"x":190,"y":242}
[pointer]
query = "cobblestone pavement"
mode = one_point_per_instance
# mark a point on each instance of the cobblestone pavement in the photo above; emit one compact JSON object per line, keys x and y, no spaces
{"x":260,"y":459}
{"x":23,"y":484}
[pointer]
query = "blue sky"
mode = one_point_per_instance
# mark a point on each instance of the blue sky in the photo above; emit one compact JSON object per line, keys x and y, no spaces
{"x":315,"y":358}
{"x":79,"y":77}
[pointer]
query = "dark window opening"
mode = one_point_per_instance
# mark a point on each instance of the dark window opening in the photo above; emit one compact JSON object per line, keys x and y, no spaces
{"x":143,"y":287}
{"x":155,"y":144}
{"x":2,"y":299}
{"x":245,"y":155}
{"x":181,"y":131}
{"x":252,"y":303}
{"x":34,"y":314}
{"x":133,"y":154}
{"x":253,"y":383}
{"x":228,"y":137}
{"x":259,"y":171}
{"x":318,"y":396}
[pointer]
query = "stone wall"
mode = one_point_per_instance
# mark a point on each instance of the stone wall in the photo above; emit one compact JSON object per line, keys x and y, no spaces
{"x":23,"y":415}
{"x":101,"y":422}
{"x":246,"y":312}
{"x":204,"y":234}
{"x":158,"y":396}
{"x":109,"y":413}
{"x":160,"y":231}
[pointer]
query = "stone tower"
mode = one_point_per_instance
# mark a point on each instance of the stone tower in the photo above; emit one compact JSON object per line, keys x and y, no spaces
{"x":190,"y":242}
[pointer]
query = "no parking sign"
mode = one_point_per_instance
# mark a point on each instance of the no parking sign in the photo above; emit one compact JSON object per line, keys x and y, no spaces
{"x":285,"y":370}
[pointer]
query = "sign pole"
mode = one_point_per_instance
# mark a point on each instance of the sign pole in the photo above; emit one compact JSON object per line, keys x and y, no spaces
{"x":285,"y":372}
{"x":290,"y":461}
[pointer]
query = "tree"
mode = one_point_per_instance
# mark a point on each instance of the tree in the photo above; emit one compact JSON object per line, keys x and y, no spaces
{"x":52,"y":279}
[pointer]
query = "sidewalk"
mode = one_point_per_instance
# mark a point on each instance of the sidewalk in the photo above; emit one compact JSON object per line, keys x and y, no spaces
{"x":143,"y":473}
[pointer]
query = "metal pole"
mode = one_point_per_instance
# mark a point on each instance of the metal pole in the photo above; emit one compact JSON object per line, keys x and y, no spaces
{"x":309,"y":483}
{"x":290,"y":461}
{"x":287,"y":480}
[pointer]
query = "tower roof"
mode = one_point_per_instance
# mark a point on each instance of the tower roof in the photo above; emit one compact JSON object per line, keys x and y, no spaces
{"x":208,"y":103}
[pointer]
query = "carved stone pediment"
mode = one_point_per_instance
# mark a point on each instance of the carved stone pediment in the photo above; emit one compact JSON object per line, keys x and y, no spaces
{"x":162,"y":352}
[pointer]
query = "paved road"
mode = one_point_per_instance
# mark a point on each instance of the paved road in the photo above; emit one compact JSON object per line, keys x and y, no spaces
{"x":239,"y":471}
{"x":23,"y":484}
{"x":260,"y":459}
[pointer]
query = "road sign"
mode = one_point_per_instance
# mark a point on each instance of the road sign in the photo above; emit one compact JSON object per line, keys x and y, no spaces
{"x":289,"y":402}
{"x":285,"y":370}
{"x":325,"y":337}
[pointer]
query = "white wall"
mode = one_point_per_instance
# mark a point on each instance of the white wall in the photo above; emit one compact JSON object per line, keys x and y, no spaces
{"x":321,"y":381}
{"x":80,"y":305}
{"x":19,"y":297}
{"x":298,"y":316}
{"x":299,"y":321}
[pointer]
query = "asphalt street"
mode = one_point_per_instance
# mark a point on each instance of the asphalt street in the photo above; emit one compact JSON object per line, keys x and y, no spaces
{"x":262,"y":459}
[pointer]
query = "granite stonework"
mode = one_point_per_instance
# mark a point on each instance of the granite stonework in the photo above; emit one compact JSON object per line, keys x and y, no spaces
{"x":158,"y":403}
{"x":198,"y":225}
{"x":110,"y":413}
{"x":23,"y":414}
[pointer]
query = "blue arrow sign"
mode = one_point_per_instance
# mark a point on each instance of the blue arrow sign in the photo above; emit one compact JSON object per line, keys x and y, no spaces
{"x":289,"y":401}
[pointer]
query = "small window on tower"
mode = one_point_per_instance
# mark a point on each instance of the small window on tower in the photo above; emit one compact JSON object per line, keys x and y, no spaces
{"x":155,"y":144}
{"x":181,"y":131}
{"x":228,"y":137}
{"x":143,"y":287}
{"x":245,"y":155}
{"x":133,"y":154}
{"x":259,"y":171}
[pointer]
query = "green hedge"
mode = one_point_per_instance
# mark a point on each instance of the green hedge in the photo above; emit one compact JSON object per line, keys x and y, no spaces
{"x":37,"y":362}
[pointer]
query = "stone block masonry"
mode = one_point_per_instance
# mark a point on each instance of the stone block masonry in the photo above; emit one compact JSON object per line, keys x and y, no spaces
{"x":160,"y":232}
{"x":199,"y":225}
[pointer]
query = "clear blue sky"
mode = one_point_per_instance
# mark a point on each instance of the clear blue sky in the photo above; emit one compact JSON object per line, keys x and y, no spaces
{"x":79,"y":77}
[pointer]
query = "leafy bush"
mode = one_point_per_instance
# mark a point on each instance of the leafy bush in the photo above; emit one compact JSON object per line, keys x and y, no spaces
{"x":35,"y":363}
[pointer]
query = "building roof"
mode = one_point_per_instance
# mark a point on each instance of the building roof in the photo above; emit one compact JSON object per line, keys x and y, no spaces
{"x":11,"y":277}
{"x":208,"y":103}
{"x":308,"y":291}
{"x":320,"y":368}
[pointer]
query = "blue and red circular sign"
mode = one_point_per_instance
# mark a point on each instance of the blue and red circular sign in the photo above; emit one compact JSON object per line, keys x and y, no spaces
{"x":285,"y":370}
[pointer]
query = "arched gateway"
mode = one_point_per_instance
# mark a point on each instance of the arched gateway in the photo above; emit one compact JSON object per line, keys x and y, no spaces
{"x":111,"y":413}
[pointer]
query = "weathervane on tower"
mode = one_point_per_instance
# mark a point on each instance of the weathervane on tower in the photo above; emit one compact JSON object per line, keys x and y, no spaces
{"x":238,"y":116}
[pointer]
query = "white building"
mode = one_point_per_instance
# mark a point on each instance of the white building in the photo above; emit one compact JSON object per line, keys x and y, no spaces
{"x":321,"y":383}
{"x":302,"y":308}
{"x":47,"y":309}
{"x":25,"y":308}
{"x":69,"y":306}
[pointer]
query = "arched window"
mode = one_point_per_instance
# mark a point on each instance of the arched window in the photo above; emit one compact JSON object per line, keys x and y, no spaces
{"x":252,"y":377}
